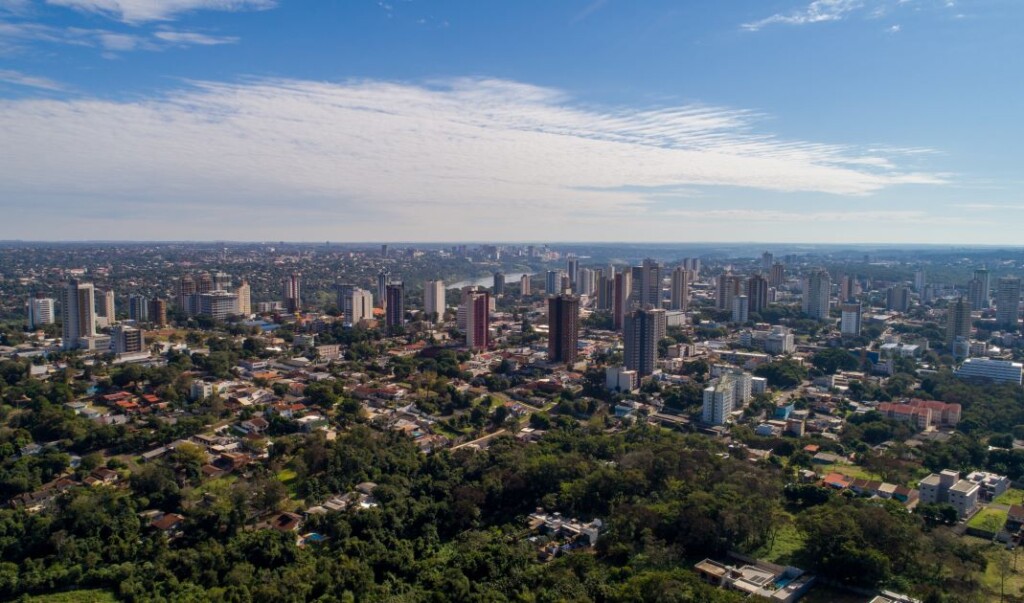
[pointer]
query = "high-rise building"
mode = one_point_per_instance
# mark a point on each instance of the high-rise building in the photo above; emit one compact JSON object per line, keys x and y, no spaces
{"x":138,"y":308}
{"x":958,"y":321}
{"x":105,"y":307}
{"x":40,"y":311}
{"x":852,"y":313}
{"x":499,"y":284}
{"x":384,"y":250}
{"x":729,"y":286}
{"x":478,"y":319}
{"x":553,"y":282}
{"x":244,"y":293}
{"x":1007,"y":302}
{"x":572,"y":267}
{"x":641,"y":331}
{"x":621,"y":289}
{"x":394,"y":305}
{"x":433,"y":301}
{"x":897,"y":298}
{"x":817,"y":299}
{"x":985,"y":286}
{"x":205,"y":283}
{"x":777,"y":275}
{"x":218,"y":305}
{"x":920,"y":279}
{"x":127,"y":340}
{"x":78,"y":313}
{"x":757,"y":293}
{"x":718,"y":401}
{"x":586,"y":283}
{"x":680,"y":292}
{"x":646,"y":289}
{"x":740,"y":309}
{"x":563,"y":328}
{"x":158,"y":312}
{"x":293,"y":293}
{"x":383,"y":277}
{"x":360,"y":306}
{"x":691,"y":264}
{"x":185,"y":290}
{"x":977,"y":294}
{"x":767,"y":261}
{"x":524,"y":285}
{"x":221,"y":281}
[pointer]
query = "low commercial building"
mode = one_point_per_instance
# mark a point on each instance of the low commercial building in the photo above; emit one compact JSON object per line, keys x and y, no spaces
{"x":987,"y":369}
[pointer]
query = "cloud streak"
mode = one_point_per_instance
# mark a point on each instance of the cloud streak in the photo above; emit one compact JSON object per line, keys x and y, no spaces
{"x":819,"y":11}
{"x":30,"y":81}
{"x":443,"y":156}
{"x":13,"y":34}
{"x":143,"y":11}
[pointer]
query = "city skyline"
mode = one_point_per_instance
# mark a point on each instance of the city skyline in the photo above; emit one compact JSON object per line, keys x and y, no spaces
{"x":192,"y":120}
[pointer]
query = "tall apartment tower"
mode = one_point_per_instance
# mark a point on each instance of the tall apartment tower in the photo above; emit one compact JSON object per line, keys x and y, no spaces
{"x":646,"y":290}
{"x":524,"y":286}
{"x":718,"y":401}
{"x":897,"y":298}
{"x":563,"y":328}
{"x":553,"y":282}
{"x":40,"y":311}
{"x":138,"y":308}
{"x":641,"y":331}
{"x":499,"y":284}
{"x":817,"y":300}
{"x":478,"y":319}
{"x":205,"y":283}
{"x":394,"y":305}
{"x":852,"y":313}
{"x":740,"y":309}
{"x":958,"y":321}
{"x":767,"y":261}
{"x":976,"y":294}
{"x":78,"y":313}
{"x":433,"y":301}
{"x":572,"y":268}
{"x":729,"y":286}
{"x":360,"y":306}
{"x":158,"y":312}
{"x":1007,"y":302}
{"x":757,"y":293}
{"x":920,"y":280}
{"x":621,"y":289}
{"x":777,"y":275}
{"x":984,"y":286}
{"x":244,"y":292}
{"x":383,"y":277}
{"x":185,"y":290}
{"x":585,"y":282}
{"x":293,"y":293}
{"x":680,"y":293}
{"x":105,"y":307}
{"x":603,"y":285}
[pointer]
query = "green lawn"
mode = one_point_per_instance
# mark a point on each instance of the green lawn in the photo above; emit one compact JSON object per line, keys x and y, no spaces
{"x":787,"y":541}
{"x":848,"y":470}
{"x":990,"y":520}
{"x":287,"y":475}
{"x":76,"y":596}
{"x":1012,"y":496}
{"x":1000,"y":566}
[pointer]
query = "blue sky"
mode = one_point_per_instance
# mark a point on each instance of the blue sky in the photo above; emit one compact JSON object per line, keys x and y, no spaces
{"x":594,"y":120}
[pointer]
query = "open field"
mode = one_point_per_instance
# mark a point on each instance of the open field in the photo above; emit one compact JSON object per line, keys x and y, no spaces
{"x":1013,"y":496}
{"x":990,"y":520}
{"x":75,"y":596}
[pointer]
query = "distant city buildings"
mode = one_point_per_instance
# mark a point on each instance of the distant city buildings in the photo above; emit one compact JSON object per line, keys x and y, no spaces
{"x":434,"y":304}
{"x":642,"y":329}
{"x":958,"y":321}
{"x":293,"y":293}
{"x":679,"y":298}
{"x":40,"y":311}
{"x":817,"y":301}
{"x":499,"y":284}
{"x":850,"y":323}
{"x":78,"y":314}
{"x":1008,"y":302}
{"x":394,"y":305}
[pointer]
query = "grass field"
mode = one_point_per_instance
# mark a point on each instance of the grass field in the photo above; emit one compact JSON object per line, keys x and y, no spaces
{"x":990,"y":520}
{"x":76,"y":596}
{"x":1000,"y":566}
{"x":848,"y":470}
{"x":1012,"y":496}
{"x":787,"y":541}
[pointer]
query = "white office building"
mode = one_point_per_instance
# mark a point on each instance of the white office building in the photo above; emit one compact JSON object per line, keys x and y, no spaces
{"x":40,"y":312}
{"x":987,"y":369}
{"x":433,"y":301}
{"x":718,"y":401}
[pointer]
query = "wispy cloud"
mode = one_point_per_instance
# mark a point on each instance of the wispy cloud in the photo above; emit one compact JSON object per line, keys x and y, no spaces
{"x":442,"y":157}
{"x":142,"y":11}
{"x":13,"y":34}
{"x":190,"y":38}
{"x":30,"y":81}
{"x":816,"y":12}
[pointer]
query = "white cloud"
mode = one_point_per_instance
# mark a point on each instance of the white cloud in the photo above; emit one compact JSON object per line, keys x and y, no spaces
{"x":186,"y":38}
{"x":141,"y":11}
{"x":13,"y":34}
{"x":816,"y":12}
{"x":31,"y":81}
{"x":894,"y":29}
{"x":439,"y":159}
